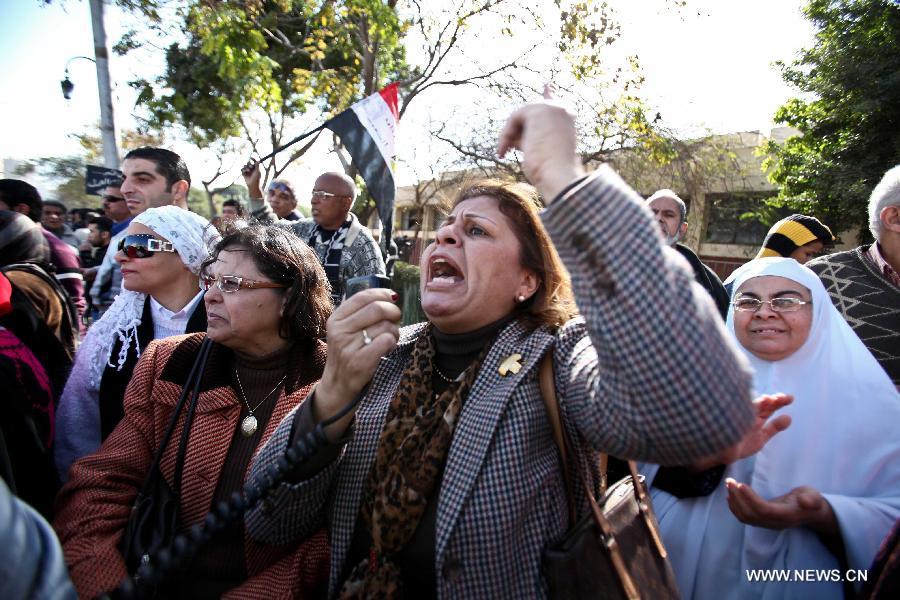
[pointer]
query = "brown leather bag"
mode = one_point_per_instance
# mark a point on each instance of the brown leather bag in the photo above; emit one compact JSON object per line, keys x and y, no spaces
{"x":614,"y":551}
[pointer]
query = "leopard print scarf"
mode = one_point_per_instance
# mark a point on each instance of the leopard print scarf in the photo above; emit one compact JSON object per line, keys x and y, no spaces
{"x":412,"y":451}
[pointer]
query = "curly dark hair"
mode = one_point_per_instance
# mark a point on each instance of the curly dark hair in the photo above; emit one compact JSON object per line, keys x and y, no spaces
{"x":284,"y":258}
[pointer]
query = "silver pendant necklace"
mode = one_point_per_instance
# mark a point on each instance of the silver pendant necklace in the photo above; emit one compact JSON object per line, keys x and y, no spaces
{"x":249,"y":424}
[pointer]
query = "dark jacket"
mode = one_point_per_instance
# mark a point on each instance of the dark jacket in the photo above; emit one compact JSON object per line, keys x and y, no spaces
{"x":44,"y":319}
{"x":707,"y":278}
{"x":114,"y":381}
{"x":26,"y":426}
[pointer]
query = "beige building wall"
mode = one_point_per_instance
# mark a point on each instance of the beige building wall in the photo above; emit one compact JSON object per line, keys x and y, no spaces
{"x":725,"y":168}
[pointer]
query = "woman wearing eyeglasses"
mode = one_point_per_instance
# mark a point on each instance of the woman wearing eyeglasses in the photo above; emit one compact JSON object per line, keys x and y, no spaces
{"x":823,"y":492}
{"x":160,"y":258}
{"x":266,"y":301}
{"x":447,"y":481}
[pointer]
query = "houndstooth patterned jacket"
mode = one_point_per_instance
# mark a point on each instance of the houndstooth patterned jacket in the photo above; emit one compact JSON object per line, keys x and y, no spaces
{"x":648,"y":373}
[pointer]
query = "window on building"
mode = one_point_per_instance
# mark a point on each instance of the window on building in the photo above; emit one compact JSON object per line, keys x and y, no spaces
{"x":725,"y":225}
{"x":411,"y":218}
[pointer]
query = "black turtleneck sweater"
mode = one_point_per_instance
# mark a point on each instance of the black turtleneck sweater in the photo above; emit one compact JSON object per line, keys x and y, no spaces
{"x":220,"y":565}
{"x":454,"y":352}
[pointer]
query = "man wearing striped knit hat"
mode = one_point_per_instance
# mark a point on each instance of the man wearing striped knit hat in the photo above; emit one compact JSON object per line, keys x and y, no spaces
{"x":799,"y":237}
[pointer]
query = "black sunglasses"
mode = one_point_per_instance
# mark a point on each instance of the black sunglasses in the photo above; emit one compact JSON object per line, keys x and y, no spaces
{"x":109,"y":198}
{"x":143,"y":245}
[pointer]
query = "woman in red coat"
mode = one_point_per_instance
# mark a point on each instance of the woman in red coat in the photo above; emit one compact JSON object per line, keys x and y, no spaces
{"x":267,"y":302}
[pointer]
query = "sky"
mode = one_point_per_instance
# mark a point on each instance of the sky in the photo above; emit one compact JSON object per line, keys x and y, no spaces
{"x":707,"y":67}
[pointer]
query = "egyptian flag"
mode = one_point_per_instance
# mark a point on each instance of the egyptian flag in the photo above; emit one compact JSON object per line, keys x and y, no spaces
{"x":367,"y":131}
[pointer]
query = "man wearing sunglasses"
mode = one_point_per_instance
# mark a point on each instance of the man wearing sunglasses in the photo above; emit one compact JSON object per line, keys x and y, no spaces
{"x":115,"y":208}
{"x":345,"y":247}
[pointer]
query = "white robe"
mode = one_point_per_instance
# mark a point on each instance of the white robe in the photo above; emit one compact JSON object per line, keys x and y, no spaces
{"x":844,"y":441}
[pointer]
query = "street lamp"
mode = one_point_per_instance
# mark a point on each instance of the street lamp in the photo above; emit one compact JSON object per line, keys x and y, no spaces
{"x":66,"y":84}
{"x":108,"y":131}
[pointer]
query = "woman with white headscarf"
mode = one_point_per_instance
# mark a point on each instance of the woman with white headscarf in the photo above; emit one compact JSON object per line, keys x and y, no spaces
{"x":822,"y":494}
{"x":160,"y":258}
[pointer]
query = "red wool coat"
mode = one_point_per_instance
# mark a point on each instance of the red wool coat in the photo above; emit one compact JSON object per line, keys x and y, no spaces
{"x":93,"y":508}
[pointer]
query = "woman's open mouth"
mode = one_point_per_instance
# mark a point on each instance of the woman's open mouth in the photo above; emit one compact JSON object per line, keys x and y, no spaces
{"x":443,"y":273}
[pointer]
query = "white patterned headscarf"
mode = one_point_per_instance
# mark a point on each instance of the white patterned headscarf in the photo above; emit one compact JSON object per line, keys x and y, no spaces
{"x":78,"y":414}
{"x":192,"y":236}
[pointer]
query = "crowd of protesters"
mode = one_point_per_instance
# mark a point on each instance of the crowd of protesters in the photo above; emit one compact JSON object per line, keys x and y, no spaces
{"x":763,"y":410}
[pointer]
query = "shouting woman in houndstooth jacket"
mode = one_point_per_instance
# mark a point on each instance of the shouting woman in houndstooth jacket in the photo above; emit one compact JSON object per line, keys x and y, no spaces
{"x":445,"y":480}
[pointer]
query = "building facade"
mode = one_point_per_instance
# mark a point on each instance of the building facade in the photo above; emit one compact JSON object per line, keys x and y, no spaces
{"x":720,"y":178}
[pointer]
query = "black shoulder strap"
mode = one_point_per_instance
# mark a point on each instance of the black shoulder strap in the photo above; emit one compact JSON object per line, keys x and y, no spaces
{"x":191,"y":387}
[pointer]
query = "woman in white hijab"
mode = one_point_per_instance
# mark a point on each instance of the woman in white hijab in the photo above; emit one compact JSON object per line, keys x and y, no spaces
{"x":822,"y":494}
{"x":160,"y":258}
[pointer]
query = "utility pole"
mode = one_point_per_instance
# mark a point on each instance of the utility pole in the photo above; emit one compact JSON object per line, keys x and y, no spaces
{"x":109,"y":133}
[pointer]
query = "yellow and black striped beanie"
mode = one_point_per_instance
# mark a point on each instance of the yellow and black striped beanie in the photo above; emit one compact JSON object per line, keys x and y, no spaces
{"x":794,"y":231}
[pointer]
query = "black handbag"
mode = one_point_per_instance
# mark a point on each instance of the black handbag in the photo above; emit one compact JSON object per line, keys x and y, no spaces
{"x":154,"y":517}
{"x":614,"y":551}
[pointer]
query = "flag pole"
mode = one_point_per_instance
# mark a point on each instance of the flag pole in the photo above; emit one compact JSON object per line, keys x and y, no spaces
{"x":294,"y":141}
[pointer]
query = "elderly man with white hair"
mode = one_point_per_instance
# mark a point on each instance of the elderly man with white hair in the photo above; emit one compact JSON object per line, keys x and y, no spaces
{"x":864,"y":283}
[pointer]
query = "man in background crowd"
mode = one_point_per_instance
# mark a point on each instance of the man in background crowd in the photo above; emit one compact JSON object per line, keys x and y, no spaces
{"x":23,"y":198}
{"x":280,"y":195}
{"x":864,"y":283}
{"x":800,"y":237}
{"x":99,"y":236}
{"x":234,"y":216}
{"x":115,"y":208}
{"x":53,"y":218}
{"x":670,"y":211}
{"x":344,"y":246}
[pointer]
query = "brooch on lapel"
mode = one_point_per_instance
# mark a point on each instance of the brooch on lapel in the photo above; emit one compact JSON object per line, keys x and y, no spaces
{"x":510,"y":364}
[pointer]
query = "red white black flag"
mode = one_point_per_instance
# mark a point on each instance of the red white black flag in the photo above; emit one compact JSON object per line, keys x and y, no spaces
{"x":367,"y":130}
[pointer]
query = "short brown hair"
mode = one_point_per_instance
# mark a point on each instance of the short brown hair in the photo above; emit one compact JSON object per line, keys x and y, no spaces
{"x":552,"y":304}
{"x":284,"y":258}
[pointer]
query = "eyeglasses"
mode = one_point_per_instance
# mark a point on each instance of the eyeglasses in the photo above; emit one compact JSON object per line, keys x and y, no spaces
{"x":322,"y":194}
{"x":786,"y":304}
{"x":113,"y":199}
{"x":232,"y":283}
{"x":143,"y":245}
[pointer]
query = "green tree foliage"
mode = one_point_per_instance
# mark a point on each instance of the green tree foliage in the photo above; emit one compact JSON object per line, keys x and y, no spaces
{"x":253,"y":69}
{"x":289,"y":64}
{"x":278,"y":58}
{"x":848,"y":115}
{"x":197,"y":202}
{"x":575,"y":49}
